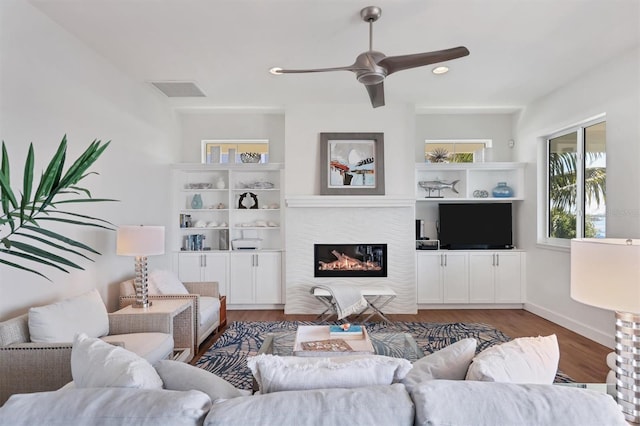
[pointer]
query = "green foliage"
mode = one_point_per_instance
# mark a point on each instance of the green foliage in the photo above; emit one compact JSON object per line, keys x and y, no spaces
{"x":26,"y":240}
{"x":563,"y":225}
{"x":562,"y":192}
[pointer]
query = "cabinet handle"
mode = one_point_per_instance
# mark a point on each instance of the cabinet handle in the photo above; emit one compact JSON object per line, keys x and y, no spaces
{"x":497,"y":259}
{"x":257,"y":261}
{"x":445,"y":260}
{"x":205,"y":260}
{"x":201,"y":261}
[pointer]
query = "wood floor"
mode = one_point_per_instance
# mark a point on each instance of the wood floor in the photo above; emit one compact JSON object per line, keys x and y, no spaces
{"x":580,"y":358}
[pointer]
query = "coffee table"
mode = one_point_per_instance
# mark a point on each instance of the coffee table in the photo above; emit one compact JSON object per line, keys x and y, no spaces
{"x":398,"y":345}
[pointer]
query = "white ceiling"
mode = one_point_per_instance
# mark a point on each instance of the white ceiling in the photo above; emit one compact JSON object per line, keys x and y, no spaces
{"x":520,"y":49}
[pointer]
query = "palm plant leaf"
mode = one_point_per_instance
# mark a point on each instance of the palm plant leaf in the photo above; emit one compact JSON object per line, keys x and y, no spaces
{"x":61,"y":238}
{"x":26,"y":219}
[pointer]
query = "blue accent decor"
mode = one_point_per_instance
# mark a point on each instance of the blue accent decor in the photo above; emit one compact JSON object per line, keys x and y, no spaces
{"x":502,"y":190}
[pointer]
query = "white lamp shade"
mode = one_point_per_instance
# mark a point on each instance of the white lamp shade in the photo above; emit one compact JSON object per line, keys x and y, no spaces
{"x":605,"y":272}
{"x":140,"y":240}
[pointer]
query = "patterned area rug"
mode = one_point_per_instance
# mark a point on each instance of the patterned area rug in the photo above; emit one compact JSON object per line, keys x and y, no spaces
{"x":227,"y":357}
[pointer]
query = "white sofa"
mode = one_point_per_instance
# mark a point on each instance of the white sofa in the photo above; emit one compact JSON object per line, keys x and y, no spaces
{"x":35,"y":348}
{"x":165,"y":285}
{"x":358,"y":390}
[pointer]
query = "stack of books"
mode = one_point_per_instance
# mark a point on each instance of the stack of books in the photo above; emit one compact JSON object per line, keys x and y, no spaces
{"x":346,"y":331}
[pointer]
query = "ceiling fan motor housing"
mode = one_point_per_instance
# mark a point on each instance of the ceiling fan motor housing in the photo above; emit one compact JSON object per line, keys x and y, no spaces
{"x":368,"y":71}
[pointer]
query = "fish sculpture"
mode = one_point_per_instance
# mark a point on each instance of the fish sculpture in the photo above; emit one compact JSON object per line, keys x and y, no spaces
{"x":437,"y":185}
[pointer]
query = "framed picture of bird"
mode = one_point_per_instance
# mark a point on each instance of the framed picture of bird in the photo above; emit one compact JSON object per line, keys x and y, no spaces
{"x":351,"y":164}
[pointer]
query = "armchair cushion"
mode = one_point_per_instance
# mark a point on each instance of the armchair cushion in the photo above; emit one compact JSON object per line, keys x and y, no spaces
{"x":95,"y":363}
{"x":165,"y":282}
{"x":59,"y":322}
{"x":209,"y":311}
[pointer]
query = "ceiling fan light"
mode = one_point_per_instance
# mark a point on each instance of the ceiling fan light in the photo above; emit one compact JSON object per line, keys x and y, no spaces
{"x":442,"y":69}
{"x":276,"y":71}
{"x":370,"y":78}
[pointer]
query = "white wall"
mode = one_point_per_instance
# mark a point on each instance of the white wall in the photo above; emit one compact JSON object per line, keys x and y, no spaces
{"x":50,"y":84}
{"x":304,"y":124}
{"x":614,"y":89}
{"x":198,"y":125}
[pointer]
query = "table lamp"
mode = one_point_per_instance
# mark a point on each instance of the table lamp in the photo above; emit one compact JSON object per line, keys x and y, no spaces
{"x":605,"y":273}
{"x":140,"y":241}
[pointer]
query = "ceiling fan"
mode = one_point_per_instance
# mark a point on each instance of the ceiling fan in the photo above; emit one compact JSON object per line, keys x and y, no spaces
{"x":372,"y":67}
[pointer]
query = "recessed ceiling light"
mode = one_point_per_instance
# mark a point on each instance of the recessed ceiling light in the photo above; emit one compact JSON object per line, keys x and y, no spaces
{"x":276,"y":71}
{"x":440,"y":70}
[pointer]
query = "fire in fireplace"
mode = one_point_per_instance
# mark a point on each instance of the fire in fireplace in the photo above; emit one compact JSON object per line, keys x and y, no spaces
{"x":350,"y":260}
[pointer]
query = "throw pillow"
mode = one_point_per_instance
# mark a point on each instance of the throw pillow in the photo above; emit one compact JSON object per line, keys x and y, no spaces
{"x":522,"y":360}
{"x":96,"y":364}
{"x":275,"y":373}
{"x":59,"y":322}
{"x":450,"y":363}
{"x":165,"y":282}
{"x":183,"y":377}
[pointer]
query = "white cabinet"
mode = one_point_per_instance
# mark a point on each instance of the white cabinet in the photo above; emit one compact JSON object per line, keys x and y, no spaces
{"x":476,"y":277}
{"x":442,"y":277}
{"x":496,"y":277}
{"x":195,"y":267}
{"x":256,"y":278}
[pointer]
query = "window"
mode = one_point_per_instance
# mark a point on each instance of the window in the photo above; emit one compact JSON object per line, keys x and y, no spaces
{"x":576,"y":183}
{"x":456,"y":151}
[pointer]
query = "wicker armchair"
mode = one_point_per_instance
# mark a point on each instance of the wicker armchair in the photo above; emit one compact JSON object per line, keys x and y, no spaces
{"x":206,"y":302}
{"x":27,"y":367}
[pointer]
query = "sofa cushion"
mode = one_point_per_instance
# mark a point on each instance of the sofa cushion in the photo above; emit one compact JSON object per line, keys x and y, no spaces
{"x":165,"y":282}
{"x":106,"y":406}
{"x":374,"y":405}
{"x":281,"y":373}
{"x":209,"y":310}
{"x":180,"y":376}
{"x":151,"y":346}
{"x":522,"y":360}
{"x":459,"y":402}
{"x":450,"y":363}
{"x":95,"y":363}
{"x":59,"y":322}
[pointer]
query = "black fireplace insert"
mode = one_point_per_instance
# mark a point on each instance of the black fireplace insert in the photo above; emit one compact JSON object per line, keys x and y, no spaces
{"x":350,"y":260}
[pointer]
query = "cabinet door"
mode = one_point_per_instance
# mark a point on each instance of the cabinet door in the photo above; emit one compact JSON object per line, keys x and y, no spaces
{"x":241,"y":283}
{"x":482,"y":268}
{"x":455,"y":275}
{"x":429,"y":277}
{"x":215,"y":269}
{"x":190,"y":267}
{"x":509,"y":278}
{"x":268,"y":278}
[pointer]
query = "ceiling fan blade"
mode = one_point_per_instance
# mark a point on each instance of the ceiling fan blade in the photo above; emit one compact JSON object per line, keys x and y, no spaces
{"x":282,"y":71}
{"x":376,"y":94}
{"x":398,"y":63}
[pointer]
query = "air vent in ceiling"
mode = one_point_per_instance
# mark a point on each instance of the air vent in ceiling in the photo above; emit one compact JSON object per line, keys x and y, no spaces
{"x":179,"y":89}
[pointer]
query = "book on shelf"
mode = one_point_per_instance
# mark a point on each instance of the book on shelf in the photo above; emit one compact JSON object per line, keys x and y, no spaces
{"x":352,"y":331}
{"x":327,"y":345}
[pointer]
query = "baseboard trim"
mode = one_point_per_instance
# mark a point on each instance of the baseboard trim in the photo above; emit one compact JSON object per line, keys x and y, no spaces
{"x":470,"y":306}
{"x":575,"y":326}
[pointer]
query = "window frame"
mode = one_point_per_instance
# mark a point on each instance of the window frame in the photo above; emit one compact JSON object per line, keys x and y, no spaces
{"x":544,"y":210}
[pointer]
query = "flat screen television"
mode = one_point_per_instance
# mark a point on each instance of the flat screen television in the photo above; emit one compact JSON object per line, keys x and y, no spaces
{"x":471,"y":226}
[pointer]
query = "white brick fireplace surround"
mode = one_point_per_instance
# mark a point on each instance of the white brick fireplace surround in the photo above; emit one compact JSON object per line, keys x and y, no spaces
{"x":350,"y":220}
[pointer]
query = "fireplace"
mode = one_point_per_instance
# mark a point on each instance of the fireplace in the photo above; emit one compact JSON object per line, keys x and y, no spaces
{"x":350,"y":260}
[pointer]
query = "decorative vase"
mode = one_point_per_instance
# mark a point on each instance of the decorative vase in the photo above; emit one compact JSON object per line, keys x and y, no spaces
{"x":220,"y":183}
{"x":502,"y":190}
{"x":196,"y":202}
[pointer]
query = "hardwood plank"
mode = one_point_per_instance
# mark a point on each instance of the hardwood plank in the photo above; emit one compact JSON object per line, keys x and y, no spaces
{"x":580,"y":358}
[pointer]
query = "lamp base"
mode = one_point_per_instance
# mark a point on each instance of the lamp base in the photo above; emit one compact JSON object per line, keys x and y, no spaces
{"x":141,"y":284}
{"x":628,"y":364}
